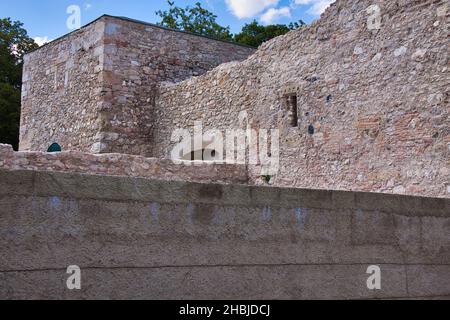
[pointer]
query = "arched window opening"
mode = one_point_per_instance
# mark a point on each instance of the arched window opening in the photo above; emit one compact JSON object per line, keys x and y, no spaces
{"x":54,"y":147}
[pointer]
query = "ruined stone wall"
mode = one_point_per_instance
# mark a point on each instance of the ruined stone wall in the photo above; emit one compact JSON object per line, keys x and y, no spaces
{"x":373,"y":105}
{"x":62,"y":86}
{"x":121,"y":165}
{"x":139,"y":56}
{"x":148,"y":239}
{"x":94,"y":89}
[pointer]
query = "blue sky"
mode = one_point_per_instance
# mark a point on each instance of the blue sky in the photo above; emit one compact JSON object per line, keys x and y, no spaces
{"x":46,"y":19}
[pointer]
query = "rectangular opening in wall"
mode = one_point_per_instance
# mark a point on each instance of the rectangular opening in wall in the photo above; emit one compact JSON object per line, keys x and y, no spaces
{"x":292,"y":110}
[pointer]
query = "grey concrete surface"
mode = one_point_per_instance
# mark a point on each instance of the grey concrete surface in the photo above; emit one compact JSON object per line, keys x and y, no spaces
{"x":143,"y":239}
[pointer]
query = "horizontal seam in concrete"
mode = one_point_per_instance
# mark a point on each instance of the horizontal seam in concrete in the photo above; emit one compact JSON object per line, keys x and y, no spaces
{"x":233,"y":266}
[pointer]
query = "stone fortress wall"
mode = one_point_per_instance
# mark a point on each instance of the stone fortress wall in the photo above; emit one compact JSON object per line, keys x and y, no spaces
{"x":372,"y":105}
{"x":138,"y":57}
{"x":61,"y":90}
{"x":121,"y":165}
{"x":93,"y":90}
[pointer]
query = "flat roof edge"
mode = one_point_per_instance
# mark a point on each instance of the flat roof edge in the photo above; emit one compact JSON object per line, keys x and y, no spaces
{"x":141,"y":23}
{"x":176,"y":30}
{"x":67,"y":34}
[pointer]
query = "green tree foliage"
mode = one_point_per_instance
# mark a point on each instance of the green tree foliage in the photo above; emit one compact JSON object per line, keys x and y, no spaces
{"x":193,"y":19}
{"x":9,"y":114}
{"x":14,"y":43}
{"x":15,"y":37}
{"x":199,"y":20}
{"x":254,"y":34}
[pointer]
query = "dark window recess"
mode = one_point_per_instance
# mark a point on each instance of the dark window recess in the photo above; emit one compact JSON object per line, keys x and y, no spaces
{"x":54,"y":148}
{"x":291,"y":103}
{"x":311,"y":129}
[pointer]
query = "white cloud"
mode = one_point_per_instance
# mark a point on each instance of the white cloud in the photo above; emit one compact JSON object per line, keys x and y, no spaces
{"x":273,"y":14}
{"x":249,"y":8}
{"x":87,"y":6}
{"x":317,"y":7}
{"x":41,"y":40}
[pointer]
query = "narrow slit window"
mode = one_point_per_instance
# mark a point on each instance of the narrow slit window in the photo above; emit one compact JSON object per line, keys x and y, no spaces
{"x":291,"y":103}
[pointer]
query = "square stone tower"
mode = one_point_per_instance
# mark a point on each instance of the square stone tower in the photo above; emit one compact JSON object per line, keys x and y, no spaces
{"x":93,"y":90}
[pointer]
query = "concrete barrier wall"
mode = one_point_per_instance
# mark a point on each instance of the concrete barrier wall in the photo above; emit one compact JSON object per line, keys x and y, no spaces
{"x":137,"y":238}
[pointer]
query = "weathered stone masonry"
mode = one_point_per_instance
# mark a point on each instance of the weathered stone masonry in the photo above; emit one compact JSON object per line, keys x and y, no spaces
{"x":115,"y":164}
{"x":62,"y":90}
{"x":372,"y":105}
{"x":94,"y":89}
{"x":137,"y":58}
